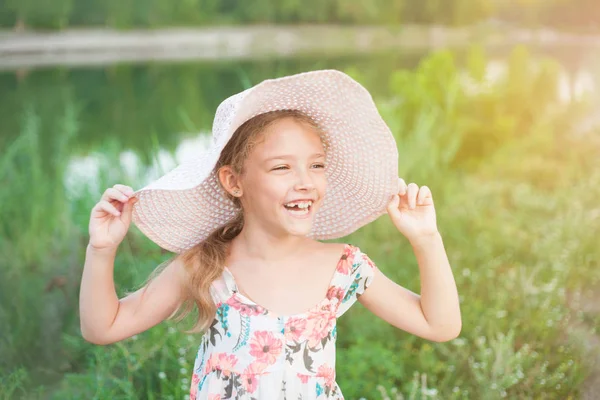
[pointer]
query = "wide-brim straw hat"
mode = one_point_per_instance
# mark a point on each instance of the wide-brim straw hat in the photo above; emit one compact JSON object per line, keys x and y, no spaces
{"x":181,"y":208}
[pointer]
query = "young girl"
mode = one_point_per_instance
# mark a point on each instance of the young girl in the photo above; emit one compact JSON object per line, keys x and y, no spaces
{"x":293,"y":161}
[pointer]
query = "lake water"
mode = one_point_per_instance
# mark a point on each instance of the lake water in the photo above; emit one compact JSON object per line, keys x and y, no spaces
{"x":168,"y":108}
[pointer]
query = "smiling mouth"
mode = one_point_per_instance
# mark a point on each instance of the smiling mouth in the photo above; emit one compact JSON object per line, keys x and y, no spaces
{"x":297,"y":211}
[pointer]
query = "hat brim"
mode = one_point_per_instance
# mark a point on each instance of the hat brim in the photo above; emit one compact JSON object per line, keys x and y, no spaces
{"x":180,"y":209}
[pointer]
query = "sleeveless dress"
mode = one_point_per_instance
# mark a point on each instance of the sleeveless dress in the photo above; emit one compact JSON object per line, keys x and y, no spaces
{"x":250,"y":353}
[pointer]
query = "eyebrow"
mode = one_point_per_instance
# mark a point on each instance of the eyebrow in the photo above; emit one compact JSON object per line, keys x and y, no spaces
{"x":288,"y":156}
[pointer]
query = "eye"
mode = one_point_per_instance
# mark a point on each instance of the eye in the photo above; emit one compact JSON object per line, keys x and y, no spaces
{"x":285,"y":166}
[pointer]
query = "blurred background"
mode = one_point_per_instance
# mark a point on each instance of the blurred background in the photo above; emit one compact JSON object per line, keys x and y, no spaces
{"x":494,"y":106}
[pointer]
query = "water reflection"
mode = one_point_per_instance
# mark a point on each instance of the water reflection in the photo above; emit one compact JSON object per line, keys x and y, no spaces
{"x":571,"y":86}
{"x":159,"y":109}
{"x":83,"y":171}
{"x":127,"y":103}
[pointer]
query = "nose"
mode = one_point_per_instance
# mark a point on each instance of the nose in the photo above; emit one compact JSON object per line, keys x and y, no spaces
{"x":304,"y":182}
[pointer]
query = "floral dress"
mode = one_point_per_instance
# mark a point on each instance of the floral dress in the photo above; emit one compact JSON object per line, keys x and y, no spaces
{"x":250,"y":353}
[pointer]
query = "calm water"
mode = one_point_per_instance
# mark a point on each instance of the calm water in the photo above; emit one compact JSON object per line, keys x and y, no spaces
{"x":141,"y":108}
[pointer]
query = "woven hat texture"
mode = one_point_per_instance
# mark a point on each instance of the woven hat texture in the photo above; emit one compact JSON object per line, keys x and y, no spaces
{"x":181,"y":208}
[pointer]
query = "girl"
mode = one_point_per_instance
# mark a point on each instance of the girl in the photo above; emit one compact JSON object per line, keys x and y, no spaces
{"x":293,"y":161}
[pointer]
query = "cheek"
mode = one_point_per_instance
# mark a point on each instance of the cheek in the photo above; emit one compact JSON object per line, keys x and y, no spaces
{"x":321,"y":184}
{"x":269,"y":191}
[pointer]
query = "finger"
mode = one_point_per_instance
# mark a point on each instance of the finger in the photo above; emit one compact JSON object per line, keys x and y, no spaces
{"x":402,"y":187}
{"x":127,"y":190}
{"x":127,"y":210}
{"x":392,"y":207}
{"x":394,"y":201}
{"x":412,"y":191}
{"x":424,"y":192}
{"x":109,"y":208}
{"x":114,"y":194}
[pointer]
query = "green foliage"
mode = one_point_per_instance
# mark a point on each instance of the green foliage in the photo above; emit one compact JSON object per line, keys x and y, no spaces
{"x":143,"y":13}
{"x":367,"y":364}
{"x":13,"y":383}
{"x":515,"y":193}
{"x":468,"y":114}
{"x":515,"y":234}
{"x":39,"y":14}
{"x":575,"y":14}
{"x":132,"y":369}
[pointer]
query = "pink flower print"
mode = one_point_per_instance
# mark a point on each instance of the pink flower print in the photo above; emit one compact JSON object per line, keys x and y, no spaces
{"x":250,"y":376}
{"x":243,"y":308}
{"x":345,"y":264}
{"x":250,"y":382}
{"x":318,"y":325}
{"x":194,"y":386}
{"x":221,"y":361}
{"x":214,"y":397}
{"x":294,"y":329}
{"x":209,"y":364}
{"x":226,"y":362}
{"x":265,"y":347}
{"x":335,"y":292}
{"x":256,"y":367}
{"x":370,"y":262}
{"x":303,"y":378}
{"x":328,"y":373}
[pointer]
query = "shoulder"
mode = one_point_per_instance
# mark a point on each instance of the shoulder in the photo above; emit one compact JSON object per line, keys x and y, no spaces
{"x":353,"y":260}
{"x":325,"y":250}
{"x":334,"y":252}
{"x":173,"y":273}
{"x":343,"y":251}
{"x":346,"y":256}
{"x":336,"y":249}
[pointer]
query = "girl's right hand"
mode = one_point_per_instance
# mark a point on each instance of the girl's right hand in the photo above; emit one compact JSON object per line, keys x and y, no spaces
{"x":111,"y":217}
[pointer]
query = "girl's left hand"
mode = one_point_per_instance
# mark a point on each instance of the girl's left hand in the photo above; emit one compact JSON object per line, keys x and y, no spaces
{"x":412,"y":211}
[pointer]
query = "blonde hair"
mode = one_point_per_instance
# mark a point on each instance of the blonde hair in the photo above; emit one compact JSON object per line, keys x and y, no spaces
{"x":204,"y":263}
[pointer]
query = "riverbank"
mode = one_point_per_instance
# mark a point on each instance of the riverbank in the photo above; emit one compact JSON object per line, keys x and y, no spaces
{"x":79,"y":47}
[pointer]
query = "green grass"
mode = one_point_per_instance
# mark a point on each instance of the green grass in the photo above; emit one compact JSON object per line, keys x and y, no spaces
{"x":516,"y":198}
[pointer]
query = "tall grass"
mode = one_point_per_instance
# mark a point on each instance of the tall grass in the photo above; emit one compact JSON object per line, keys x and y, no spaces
{"x":515,"y":196}
{"x":39,"y":246}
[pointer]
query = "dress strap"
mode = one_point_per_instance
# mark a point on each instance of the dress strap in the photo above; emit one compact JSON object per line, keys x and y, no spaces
{"x":229,"y":280}
{"x":344,"y":264}
{"x":223,"y":287}
{"x":338,"y":278}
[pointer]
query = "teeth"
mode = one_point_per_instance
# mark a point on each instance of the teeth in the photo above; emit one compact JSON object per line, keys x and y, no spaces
{"x":299,"y":212}
{"x":301,"y":204}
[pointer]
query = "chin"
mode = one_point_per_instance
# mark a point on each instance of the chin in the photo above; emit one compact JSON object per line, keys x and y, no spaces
{"x":297,"y":228}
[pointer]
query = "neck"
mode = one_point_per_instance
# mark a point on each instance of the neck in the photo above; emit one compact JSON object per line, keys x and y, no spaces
{"x":266,"y":248}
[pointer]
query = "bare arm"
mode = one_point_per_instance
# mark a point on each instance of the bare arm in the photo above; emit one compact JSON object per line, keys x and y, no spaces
{"x":435,"y":314}
{"x":104,"y":318}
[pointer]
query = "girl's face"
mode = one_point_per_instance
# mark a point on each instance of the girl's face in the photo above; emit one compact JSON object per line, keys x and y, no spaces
{"x":287,"y":166}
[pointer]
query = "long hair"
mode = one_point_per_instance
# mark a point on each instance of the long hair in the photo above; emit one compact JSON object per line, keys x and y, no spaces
{"x":205,"y":262}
